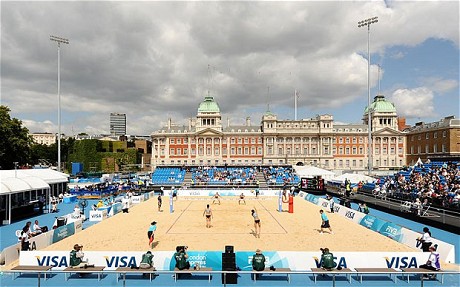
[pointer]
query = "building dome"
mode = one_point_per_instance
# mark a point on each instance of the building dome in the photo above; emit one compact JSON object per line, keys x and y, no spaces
{"x":381,"y":105}
{"x":208,"y":106}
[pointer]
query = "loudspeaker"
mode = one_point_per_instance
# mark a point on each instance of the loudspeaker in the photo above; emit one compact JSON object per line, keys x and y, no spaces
{"x":228,"y":261}
{"x":60,"y":221}
{"x":229,"y":249}
{"x":231,"y":278}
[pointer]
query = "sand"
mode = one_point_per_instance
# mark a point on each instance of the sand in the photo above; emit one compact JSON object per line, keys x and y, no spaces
{"x":232,"y":225}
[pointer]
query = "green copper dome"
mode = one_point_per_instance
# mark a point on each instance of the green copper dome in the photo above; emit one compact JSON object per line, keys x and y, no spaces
{"x":209,"y":106}
{"x":381,"y":105}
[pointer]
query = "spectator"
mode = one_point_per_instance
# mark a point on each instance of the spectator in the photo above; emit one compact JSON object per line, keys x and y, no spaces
{"x":327,"y":259}
{"x":258,"y":261}
{"x":53,"y":205}
{"x":38,"y":229}
{"x":181,"y":257}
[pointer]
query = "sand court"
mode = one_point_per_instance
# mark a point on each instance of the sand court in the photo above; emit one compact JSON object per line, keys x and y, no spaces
{"x":232,"y":225}
{"x":228,"y":218}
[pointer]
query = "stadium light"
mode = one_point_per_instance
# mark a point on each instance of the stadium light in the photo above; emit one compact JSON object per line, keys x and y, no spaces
{"x":368,"y":23}
{"x":59,"y":40}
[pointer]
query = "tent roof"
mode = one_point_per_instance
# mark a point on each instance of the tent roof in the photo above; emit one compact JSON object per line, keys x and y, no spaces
{"x":29,"y":179}
{"x":312,"y":171}
{"x":353,"y":178}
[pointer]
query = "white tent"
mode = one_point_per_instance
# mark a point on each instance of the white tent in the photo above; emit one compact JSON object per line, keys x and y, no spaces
{"x":311,"y":171}
{"x":353,"y":178}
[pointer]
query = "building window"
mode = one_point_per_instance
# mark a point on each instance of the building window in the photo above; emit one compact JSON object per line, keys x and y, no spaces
{"x":444,"y":134}
{"x":239,"y":151}
{"x":340,"y":150}
{"x":411,"y":150}
{"x":400,"y":151}
{"x":246,"y":140}
{"x":185,"y":151}
{"x":200,"y":151}
{"x":354,"y":140}
{"x":193,"y":151}
{"x":246,"y":151}
{"x":340,"y":140}
{"x":361,"y":150}
{"x":377,"y":150}
{"x":354,"y":163}
{"x":443,"y":148}
{"x":185,"y":141}
{"x":216,"y":151}
{"x":435,"y":148}
{"x":240,"y":140}
{"x":360,"y":163}
{"x":384,"y":150}
{"x":224,"y":151}
{"x":347,"y":150}
{"x":178,"y":151}
{"x":347,"y":140}
{"x":171,"y":151}
{"x":427,"y":149}
{"x":232,"y":151}
{"x":259,"y":151}
{"x":232,"y":140}
{"x":435,"y":135}
{"x":171,"y":141}
{"x":353,"y":150}
{"x":427,"y":136}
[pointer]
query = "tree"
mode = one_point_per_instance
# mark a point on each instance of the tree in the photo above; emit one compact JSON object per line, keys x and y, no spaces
{"x":15,"y":143}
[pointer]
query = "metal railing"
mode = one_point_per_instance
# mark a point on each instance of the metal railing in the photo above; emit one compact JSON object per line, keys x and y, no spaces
{"x":348,"y":274}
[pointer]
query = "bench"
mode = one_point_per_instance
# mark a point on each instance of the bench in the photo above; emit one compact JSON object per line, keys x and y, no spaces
{"x":375,"y":271}
{"x":70,"y":270}
{"x":277,"y":270}
{"x":334,"y":272}
{"x":125,"y":270}
{"x":30,"y":269}
{"x":409,"y":271}
{"x":203,"y":270}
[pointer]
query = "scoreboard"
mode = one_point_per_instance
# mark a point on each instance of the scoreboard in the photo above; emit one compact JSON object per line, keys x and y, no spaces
{"x":315,"y":183}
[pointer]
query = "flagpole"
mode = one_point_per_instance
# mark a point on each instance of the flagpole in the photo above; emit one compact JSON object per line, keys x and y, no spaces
{"x":295,"y":105}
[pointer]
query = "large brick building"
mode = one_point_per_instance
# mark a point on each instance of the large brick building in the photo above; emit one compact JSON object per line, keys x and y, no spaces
{"x":316,"y":141}
{"x":435,"y":141}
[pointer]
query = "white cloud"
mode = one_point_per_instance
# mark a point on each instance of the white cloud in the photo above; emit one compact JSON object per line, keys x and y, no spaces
{"x":439,"y":85}
{"x":414,"y":103}
{"x":149,"y":59}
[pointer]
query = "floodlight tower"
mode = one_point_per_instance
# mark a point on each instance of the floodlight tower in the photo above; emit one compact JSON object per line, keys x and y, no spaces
{"x":59,"y":40}
{"x":368,"y":23}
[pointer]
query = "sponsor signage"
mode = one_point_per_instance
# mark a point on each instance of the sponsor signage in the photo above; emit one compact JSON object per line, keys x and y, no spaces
{"x":296,"y":261}
{"x":97,"y":215}
{"x":63,"y":232}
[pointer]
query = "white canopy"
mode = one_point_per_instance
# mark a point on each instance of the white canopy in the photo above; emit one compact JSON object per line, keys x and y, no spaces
{"x":311,"y":171}
{"x":353,"y":178}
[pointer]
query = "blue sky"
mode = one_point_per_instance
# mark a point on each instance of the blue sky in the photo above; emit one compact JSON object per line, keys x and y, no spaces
{"x":157,"y":60}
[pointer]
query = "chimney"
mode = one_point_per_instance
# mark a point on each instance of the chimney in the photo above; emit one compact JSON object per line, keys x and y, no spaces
{"x":248,"y":121}
{"x":169,"y":123}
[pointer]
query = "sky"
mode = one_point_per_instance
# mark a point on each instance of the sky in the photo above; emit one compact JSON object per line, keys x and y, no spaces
{"x":158,"y":60}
